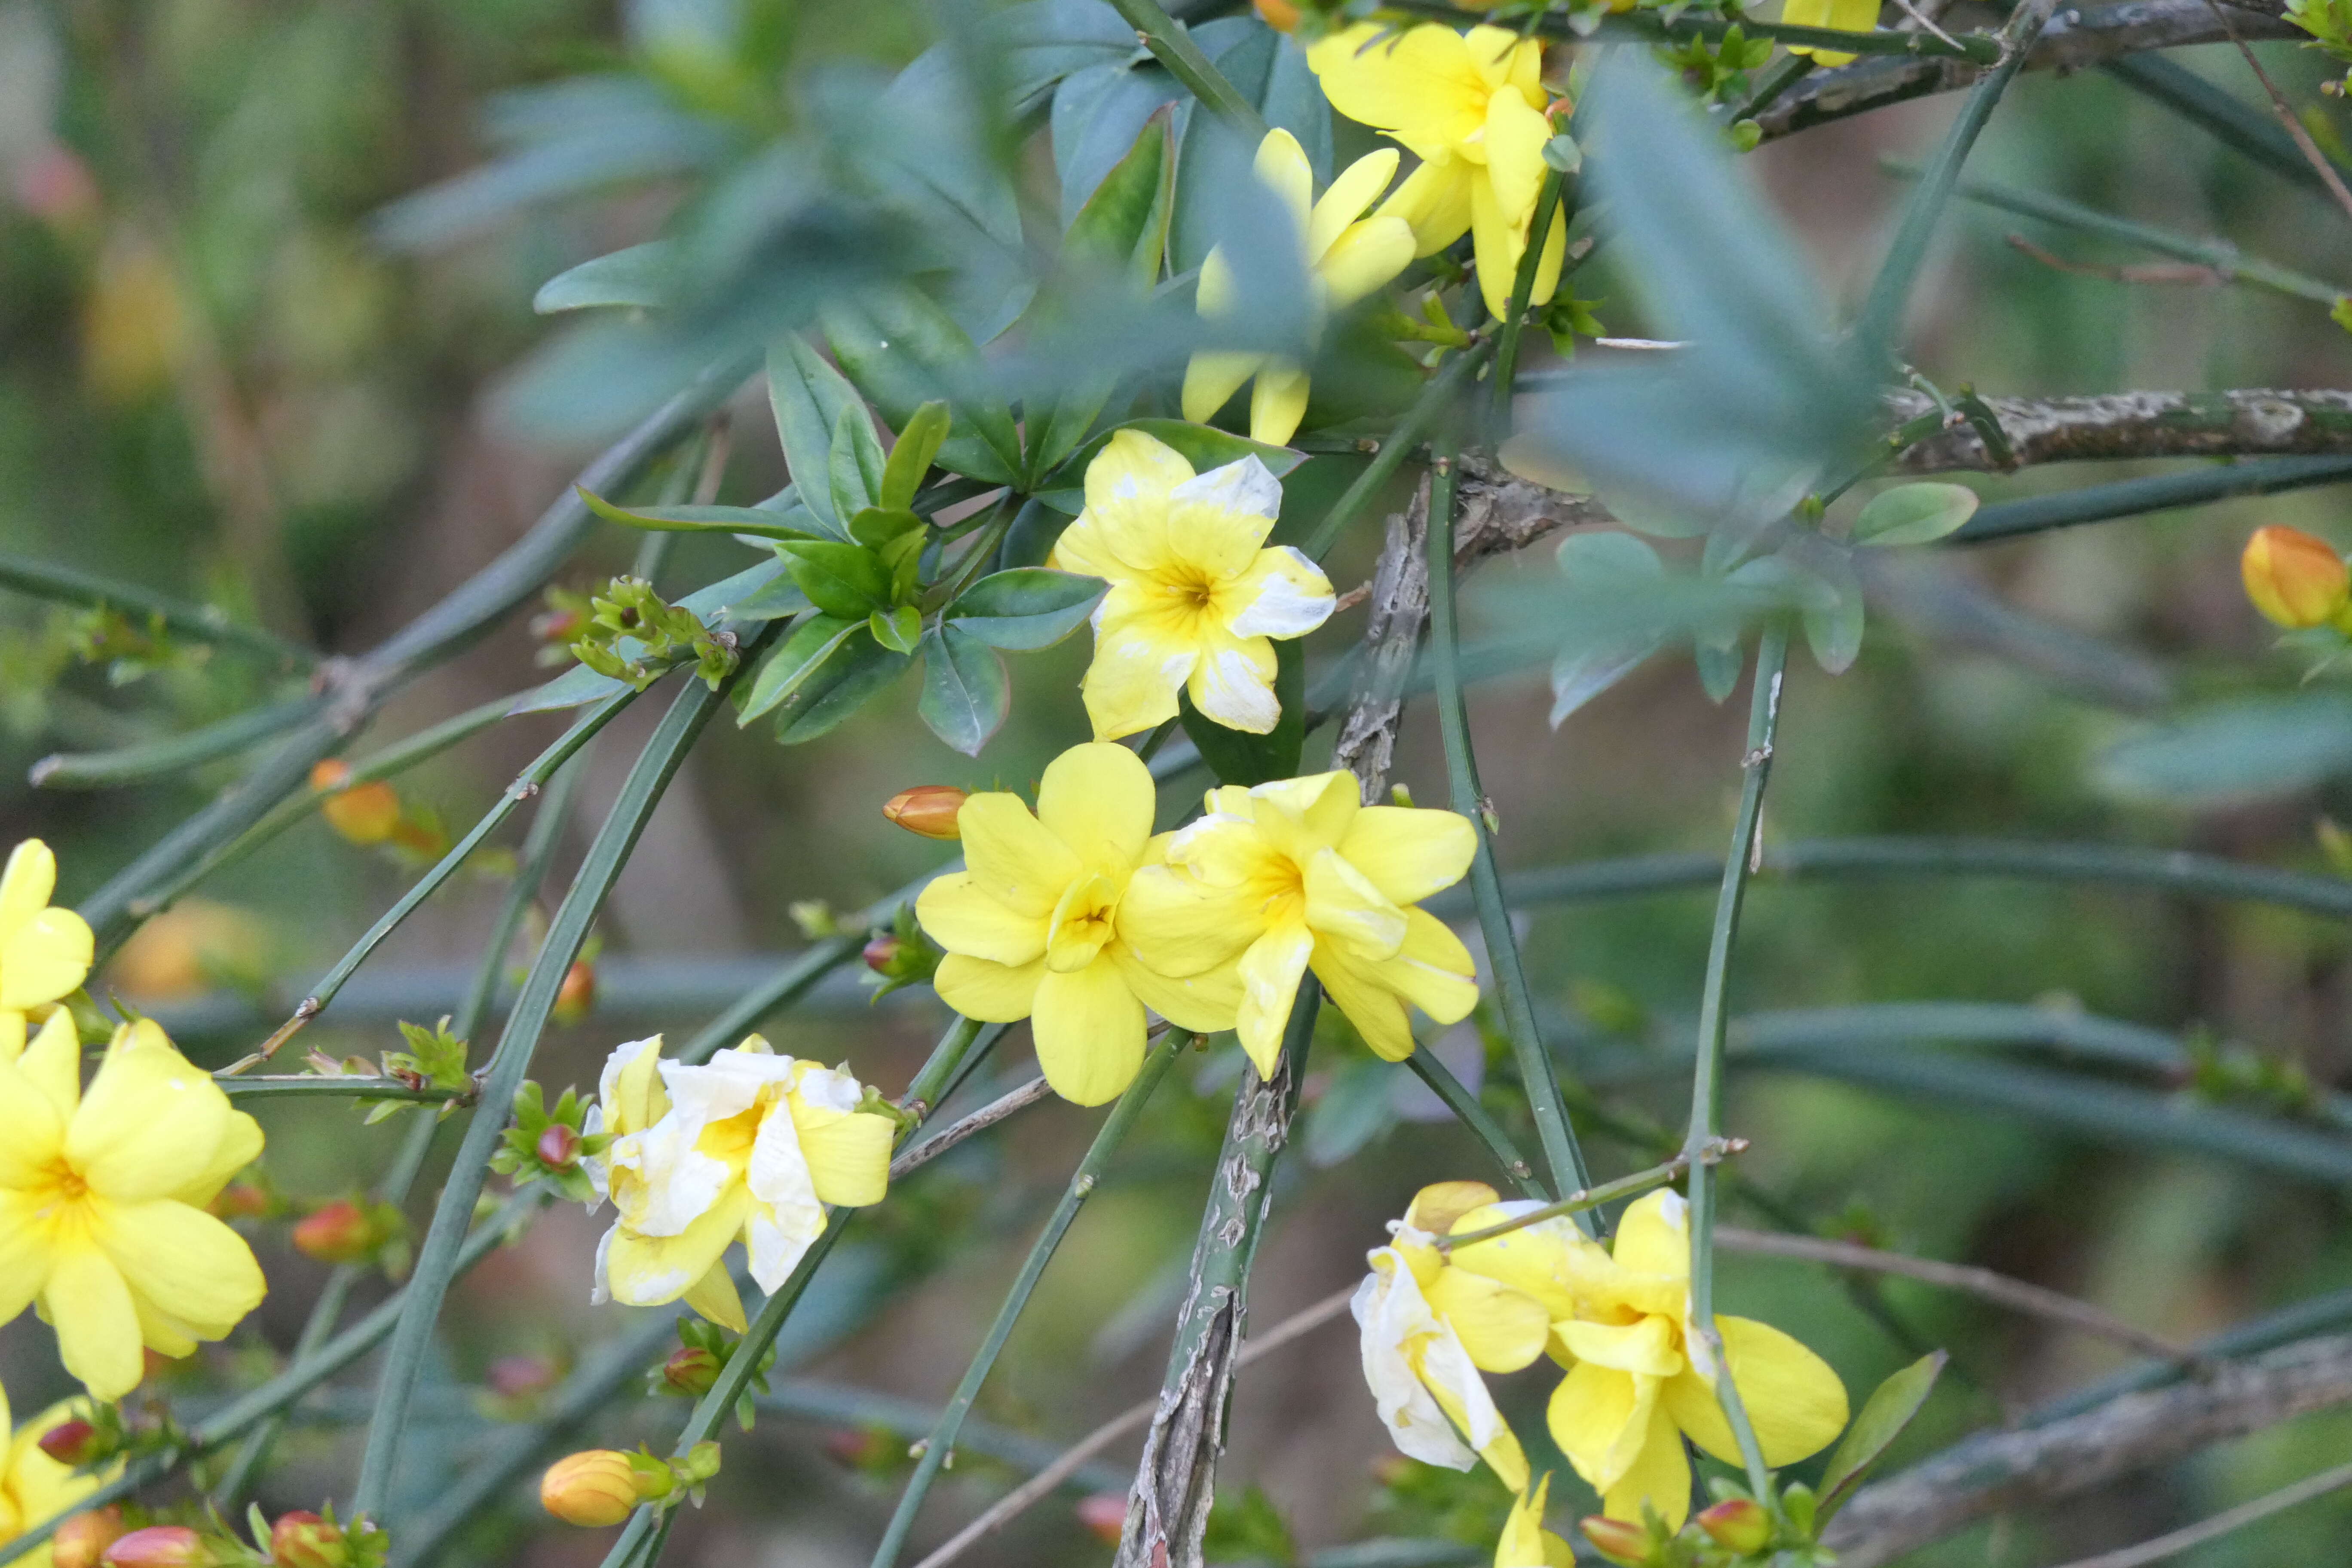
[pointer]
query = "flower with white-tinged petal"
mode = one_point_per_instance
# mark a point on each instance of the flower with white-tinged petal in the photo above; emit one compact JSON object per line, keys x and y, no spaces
{"x":1195,"y":598}
{"x":102,"y":1198}
{"x":1346,"y":256}
{"x":1638,"y":1387}
{"x":44,"y":953}
{"x":33,"y":1486}
{"x":750,"y":1146}
{"x":1427,"y":1330}
{"x":1299,"y":873}
{"x":1032,"y":929}
{"x":1472,"y":109}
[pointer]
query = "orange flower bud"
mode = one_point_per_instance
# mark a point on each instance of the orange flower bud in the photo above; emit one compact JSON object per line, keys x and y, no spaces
{"x":577,"y":995}
{"x":300,"y":1539}
{"x":1105,"y":1513}
{"x":928,"y":809}
{"x":1618,"y":1540}
{"x":594,"y":1488}
{"x":339,"y":1233}
{"x":1739,"y":1523}
{"x":73,"y":1442}
{"x":690,"y":1371}
{"x":162,"y":1546}
{"x":365,"y":812}
{"x":81,"y":1540}
{"x":2293,"y":579}
{"x":1279,"y":15}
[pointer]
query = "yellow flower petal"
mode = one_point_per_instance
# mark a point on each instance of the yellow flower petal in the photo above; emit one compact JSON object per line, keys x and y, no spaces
{"x":1282,"y":595}
{"x":1180,"y":925}
{"x":160,"y":1331}
{"x":240,"y":1145}
{"x":1098,"y":799}
{"x":1270,"y":970}
{"x":1210,"y":382}
{"x":1532,"y":1259}
{"x":1601,"y":1417}
{"x":1433,"y":970}
{"x":1224,"y":849}
{"x":1434,"y":202}
{"x":1421,"y":85}
{"x":1522,"y":1542}
{"x":1133,"y":465}
{"x":35,"y":1130}
{"x":1377,"y":1012}
{"x":848,"y":1153}
{"x":1090,"y":1032}
{"x":1232,"y":683}
{"x":1845,"y":16}
{"x":963,"y":916}
{"x":52,"y":1064}
{"x":991,"y":992}
{"x":1278,"y":404}
{"x":1516,"y":134}
{"x":150,"y":1119}
{"x":1659,"y":1476}
{"x":1365,"y":257}
{"x":98,"y":1328}
{"x":1281,"y":166}
{"x":1133,"y":683}
{"x":1204,"y":1002}
{"x":25,"y":1255}
{"x":1794,"y":1402}
{"x":714,"y":1296}
{"x":44,"y":958}
{"x":1438,"y":1207}
{"x":189,"y":1264}
{"x":1653,"y":1235}
{"x":1021,"y":865}
{"x":26,"y":885}
{"x":1502,"y":1329}
{"x":1647,"y":1347}
{"x":1409,"y":853}
{"x":1343,"y":905}
{"x":1360,"y":184}
{"x":640,"y":1270}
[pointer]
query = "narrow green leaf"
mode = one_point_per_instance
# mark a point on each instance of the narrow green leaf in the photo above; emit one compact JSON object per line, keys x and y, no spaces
{"x":898,"y":630}
{"x":1914,"y":514}
{"x":795,"y":661}
{"x":808,"y":396}
{"x":855,"y":671}
{"x":854,"y":462}
{"x":1024,"y":609}
{"x":646,"y":275}
{"x":1237,"y":757}
{"x":1885,"y":1413}
{"x":1199,"y":445}
{"x":757,"y":522}
{"x":2243,"y":749}
{"x":965,"y":694}
{"x":911,"y":456}
{"x":845,"y":580}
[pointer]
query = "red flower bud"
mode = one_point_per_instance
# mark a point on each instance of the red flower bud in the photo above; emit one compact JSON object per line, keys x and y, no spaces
{"x":860,"y":1447}
{"x":300,"y":1539}
{"x":1739,"y":1523}
{"x":883,"y":952}
{"x":74,"y":1443}
{"x":559,"y":1147}
{"x":928,"y":809}
{"x":339,"y":1233}
{"x":515,"y":1377}
{"x":1104,"y":1514}
{"x":240,"y":1200}
{"x":162,"y":1546}
{"x":81,"y":1540}
{"x":1618,"y":1540}
{"x":595,"y":1487}
{"x":690,"y":1371}
{"x":578,"y":994}
{"x":2293,"y":579}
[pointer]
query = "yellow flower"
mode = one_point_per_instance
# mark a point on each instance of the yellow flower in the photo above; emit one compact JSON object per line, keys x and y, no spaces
{"x":1845,"y":16}
{"x":1298,"y":873}
{"x":1195,"y":598}
{"x":44,"y":953}
{"x":34,"y":1487}
{"x":1524,"y":1542}
{"x":102,"y":1200}
{"x":1346,"y":256}
{"x":749,"y":1145}
{"x":1472,"y":109}
{"x":1031,"y":931}
{"x":1429,"y":1328}
{"x":1638,"y":1386}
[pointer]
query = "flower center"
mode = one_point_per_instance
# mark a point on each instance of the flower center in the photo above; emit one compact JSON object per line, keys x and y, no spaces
{"x":1081,"y":923}
{"x":60,"y":1192}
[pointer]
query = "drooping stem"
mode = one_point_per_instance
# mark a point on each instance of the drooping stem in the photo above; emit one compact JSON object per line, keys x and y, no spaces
{"x":1707,"y":1087}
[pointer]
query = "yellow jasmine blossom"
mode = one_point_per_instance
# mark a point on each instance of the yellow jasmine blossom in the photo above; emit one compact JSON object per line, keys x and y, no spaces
{"x":1471,"y":108}
{"x":44,"y":953}
{"x":1195,"y":599}
{"x":1524,"y":1542}
{"x":1845,"y":16}
{"x":1346,"y":256}
{"x":1640,"y":1384}
{"x":102,"y":1200}
{"x":34,"y":1487}
{"x":751,"y":1145}
{"x":1299,"y":874}
{"x":1032,"y":929}
{"x":1428,"y":1329}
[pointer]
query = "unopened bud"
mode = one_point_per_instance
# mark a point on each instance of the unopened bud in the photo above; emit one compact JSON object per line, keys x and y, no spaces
{"x":861,"y":1448}
{"x":595,"y":1487}
{"x":339,"y":1233}
{"x":1104,"y":1514}
{"x":363,"y":813}
{"x":300,"y":1539}
{"x":74,"y":1444}
{"x":882,"y":953}
{"x":559,"y":1147}
{"x":2293,"y":579}
{"x":928,"y":809}
{"x":1618,"y":1540}
{"x":162,"y":1546}
{"x":240,"y":1200}
{"x":578,"y":994}
{"x":519,"y":1376}
{"x":690,"y":1371}
{"x":1279,"y":15}
{"x":81,"y":1540}
{"x":1739,"y":1523}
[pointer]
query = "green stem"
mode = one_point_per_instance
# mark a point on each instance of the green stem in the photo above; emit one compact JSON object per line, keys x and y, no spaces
{"x":1707,"y":1087}
{"x":318,"y":1086}
{"x":1640,"y":1181}
{"x":2163,"y":492}
{"x":1434,"y":401}
{"x":1788,"y":72}
{"x":1974,"y":48}
{"x":1465,"y":1105}
{"x":1173,"y":47}
{"x":177,"y":754}
{"x":1905,"y":436}
{"x":1523,"y":288}
{"x":941,"y":1441}
{"x":2225,"y":116}
{"x":207,"y":623}
{"x":1537,"y":1076}
{"x":1882,"y":312}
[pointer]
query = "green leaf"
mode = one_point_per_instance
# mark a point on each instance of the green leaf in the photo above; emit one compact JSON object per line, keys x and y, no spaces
{"x":2245,"y":749}
{"x":876,"y":527}
{"x":854,"y":462}
{"x":904,"y":351}
{"x":919,"y":443}
{"x":808,"y":396}
{"x":1884,"y":1414}
{"x":759,"y":522}
{"x":1199,"y":445}
{"x":853,"y":673}
{"x":1027,"y":607}
{"x":1914,"y":514}
{"x":795,"y":662}
{"x":1832,"y":612}
{"x":646,"y":275}
{"x":1718,"y":667}
{"x":898,"y":630}
{"x":771,"y":601}
{"x":845,"y":580}
{"x":1237,"y":757}
{"x":965,"y":694}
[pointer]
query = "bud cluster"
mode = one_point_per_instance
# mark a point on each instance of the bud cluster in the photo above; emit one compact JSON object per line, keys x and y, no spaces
{"x":600,"y":1487}
{"x":1735,"y":1532}
{"x":300,"y":1539}
{"x":633,"y":634}
{"x":551,"y":1144}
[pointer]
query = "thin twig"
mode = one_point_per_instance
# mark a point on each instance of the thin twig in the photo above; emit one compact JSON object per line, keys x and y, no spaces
{"x":2221,"y":1524}
{"x":2318,"y":161}
{"x":987,"y":1116}
{"x":2001,"y":1290}
{"x":2187,"y":272}
{"x":1593,"y":1197}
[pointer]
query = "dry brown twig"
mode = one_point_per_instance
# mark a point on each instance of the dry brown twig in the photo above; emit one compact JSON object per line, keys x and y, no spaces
{"x":2180,"y":1541}
{"x":2186,"y":272}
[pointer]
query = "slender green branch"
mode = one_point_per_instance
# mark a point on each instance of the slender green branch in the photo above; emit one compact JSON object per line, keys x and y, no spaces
{"x":1537,"y":1075}
{"x":1974,"y":48}
{"x":1631,"y":1187}
{"x":1882,"y":312}
{"x":322,"y":1086}
{"x":1549,"y":201}
{"x":173,"y":754}
{"x":207,"y":623}
{"x":1173,"y":47}
{"x":1707,"y":1087}
{"x":1435,"y":399}
{"x":941,"y":1441}
{"x":1786,"y":73}
{"x":2163,"y":492}
{"x":1473,"y":1115}
{"x":2228,"y":117}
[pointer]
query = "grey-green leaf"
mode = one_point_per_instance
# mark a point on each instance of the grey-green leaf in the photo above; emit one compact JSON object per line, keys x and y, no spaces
{"x":965,"y":693}
{"x":1027,"y":607}
{"x":1914,"y":514}
{"x":854,"y":462}
{"x":2245,"y":749}
{"x":911,"y":455}
{"x":808,"y":396}
{"x":646,"y":275}
{"x":1884,"y":1414}
{"x":795,"y":661}
{"x":855,"y":671}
